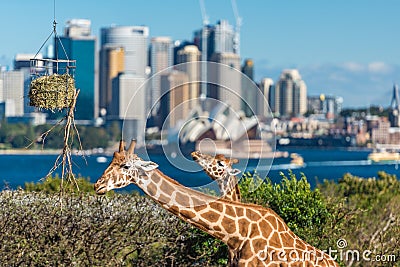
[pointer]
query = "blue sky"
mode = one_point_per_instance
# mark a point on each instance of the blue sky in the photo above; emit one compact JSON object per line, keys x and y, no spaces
{"x":341,"y":47}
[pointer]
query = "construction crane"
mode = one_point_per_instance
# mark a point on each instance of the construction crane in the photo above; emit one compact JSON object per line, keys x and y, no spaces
{"x":238,"y":25}
{"x":204,"y":31}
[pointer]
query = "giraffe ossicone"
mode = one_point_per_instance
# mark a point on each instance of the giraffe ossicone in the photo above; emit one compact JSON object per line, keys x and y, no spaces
{"x":250,"y":231}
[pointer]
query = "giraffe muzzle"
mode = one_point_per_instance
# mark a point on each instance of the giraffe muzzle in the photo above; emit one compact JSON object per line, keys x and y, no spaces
{"x":100,"y":189}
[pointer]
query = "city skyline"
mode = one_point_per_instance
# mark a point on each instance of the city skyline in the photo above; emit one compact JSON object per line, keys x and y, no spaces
{"x":343,"y":48}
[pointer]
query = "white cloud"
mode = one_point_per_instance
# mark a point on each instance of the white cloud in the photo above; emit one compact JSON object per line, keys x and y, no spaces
{"x":353,"y":66}
{"x":379,"y":68}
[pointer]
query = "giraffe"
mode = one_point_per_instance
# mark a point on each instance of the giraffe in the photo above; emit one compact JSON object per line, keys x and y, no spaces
{"x":220,"y":169}
{"x":257,"y":235}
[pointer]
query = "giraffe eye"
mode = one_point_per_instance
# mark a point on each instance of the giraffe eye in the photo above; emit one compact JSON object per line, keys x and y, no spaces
{"x":220,"y":163}
{"x":125,"y":166}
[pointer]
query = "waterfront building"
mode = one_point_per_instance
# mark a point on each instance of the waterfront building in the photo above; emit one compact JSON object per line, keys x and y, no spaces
{"x":161,"y":58}
{"x":290,"y":94}
{"x":79,"y":44}
{"x":380,"y":134}
{"x":328,"y":105}
{"x":134,"y":42}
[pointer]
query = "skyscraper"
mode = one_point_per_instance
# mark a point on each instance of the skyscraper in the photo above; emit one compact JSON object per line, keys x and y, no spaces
{"x":175,"y":100}
{"x":224,"y":38}
{"x":249,"y":91}
{"x":134,"y":42}
{"x":267,"y":90}
{"x":22,"y":63}
{"x":221,"y":38}
{"x":12,"y":92}
{"x":112,"y":58}
{"x":161,"y":57}
{"x":128,"y":106}
{"x":78,"y":44}
{"x":290,"y":94}
{"x":188,"y":62}
{"x":248,"y":68}
{"x":225,"y":79}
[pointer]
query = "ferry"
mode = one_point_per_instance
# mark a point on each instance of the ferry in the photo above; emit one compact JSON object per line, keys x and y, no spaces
{"x":297,"y":160}
{"x":384,"y":156}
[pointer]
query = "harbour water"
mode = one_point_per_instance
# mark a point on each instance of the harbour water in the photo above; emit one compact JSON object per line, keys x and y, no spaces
{"x":329,"y":164}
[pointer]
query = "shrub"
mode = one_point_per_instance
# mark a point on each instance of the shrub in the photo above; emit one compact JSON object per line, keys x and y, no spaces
{"x":53,"y":185}
{"x":40,"y":229}
{"x":366,"y":214}
{"x":303,"y":209}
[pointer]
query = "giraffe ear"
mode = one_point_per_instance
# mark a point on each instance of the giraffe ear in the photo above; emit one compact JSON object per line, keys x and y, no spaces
{"x":233,"y":171}
{"x":234,"y":161}
{"x":146,"y":165}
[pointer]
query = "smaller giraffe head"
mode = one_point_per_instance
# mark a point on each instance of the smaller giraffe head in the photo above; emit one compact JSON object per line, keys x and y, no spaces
{"x":216,"y":167}
{"x":125,"y":168}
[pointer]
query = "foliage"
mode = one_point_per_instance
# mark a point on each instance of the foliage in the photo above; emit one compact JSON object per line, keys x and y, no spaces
{"x":82,"y":230}
{"x":303,"y":209}
{"x":362,"y":112}
{"x":21,"y":135}
{"x":53,"y":185}
{"x":366,"y":214}
{"x":15,"y":135}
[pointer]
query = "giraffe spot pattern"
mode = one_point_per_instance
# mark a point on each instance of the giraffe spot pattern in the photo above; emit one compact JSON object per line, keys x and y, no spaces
{"x":229,"y":225}
{"x":211,"y":216}
{"x":182,"y":199}
{"x":216,"y":206}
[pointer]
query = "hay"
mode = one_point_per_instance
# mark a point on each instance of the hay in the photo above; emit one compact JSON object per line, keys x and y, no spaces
{"x":52,"y":91}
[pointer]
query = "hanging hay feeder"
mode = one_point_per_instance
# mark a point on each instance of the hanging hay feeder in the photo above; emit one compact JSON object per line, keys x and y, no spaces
{"x":52,"y":84}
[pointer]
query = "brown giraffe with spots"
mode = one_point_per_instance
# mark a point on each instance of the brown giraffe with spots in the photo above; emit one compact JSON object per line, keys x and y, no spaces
{"x":220,"y":170}
{"x":258,"y":235}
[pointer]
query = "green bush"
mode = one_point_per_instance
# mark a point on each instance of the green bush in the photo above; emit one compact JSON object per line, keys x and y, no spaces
{"x":303,"y":209}
{"x":366,"y":214}
{"x":53,"y":185}
{"x":40,"y":229}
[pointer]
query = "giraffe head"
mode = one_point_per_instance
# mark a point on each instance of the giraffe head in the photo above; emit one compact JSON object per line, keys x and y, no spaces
{"x":216,"y":167}
{"x":125,"y":168}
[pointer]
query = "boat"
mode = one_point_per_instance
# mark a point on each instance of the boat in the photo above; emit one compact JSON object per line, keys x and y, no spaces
{"x":297,"y":160}
{"x":384,"y":156}
{"x":101,"y":159}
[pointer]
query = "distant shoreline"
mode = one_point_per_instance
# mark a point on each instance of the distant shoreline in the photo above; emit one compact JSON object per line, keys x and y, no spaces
{"x":30,"y":152}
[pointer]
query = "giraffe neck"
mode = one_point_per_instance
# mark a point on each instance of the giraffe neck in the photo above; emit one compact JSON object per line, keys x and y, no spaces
{"x":218,"y":217}
{"x":236,"y":224}
{"x":188,"y":204}
{"x":229,"y":188}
